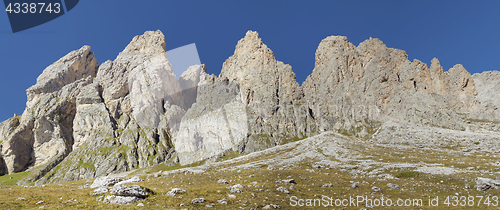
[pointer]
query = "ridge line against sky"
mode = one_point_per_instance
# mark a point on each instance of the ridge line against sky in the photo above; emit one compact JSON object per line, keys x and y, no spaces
{"x":456,"y":32}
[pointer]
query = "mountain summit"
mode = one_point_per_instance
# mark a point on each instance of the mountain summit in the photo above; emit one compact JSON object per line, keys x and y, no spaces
{"x":84,"y":120}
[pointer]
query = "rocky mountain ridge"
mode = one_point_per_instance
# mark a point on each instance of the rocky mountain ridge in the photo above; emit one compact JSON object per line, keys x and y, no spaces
{"x":351,"y":88}
{"x":85,"y":120}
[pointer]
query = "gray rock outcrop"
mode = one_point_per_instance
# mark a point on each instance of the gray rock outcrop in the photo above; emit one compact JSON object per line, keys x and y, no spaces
{"x":352,"y":89}
{"x":123,"y":200}
{"x":283,"y":190}
{"x":487,"y":85}
{"x":483,"y":184}
{"x":270,"y":91}
{"x":42,"y":136}
{"x":130,"y":181}
{"x":393,"y":186}
{"x":134,"y":190}
{"x":198,"y":201}
{"x":90,"y":120}
{"x":113,"y":130}
{"x":6,"y":128}
{"x":100,"y":191}
{"x":120,"y":194}
{"x":105,"y":181}
{"x":255,"y":103}
{"x":175,"y":191}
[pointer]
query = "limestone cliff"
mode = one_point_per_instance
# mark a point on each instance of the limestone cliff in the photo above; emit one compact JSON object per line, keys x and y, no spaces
{"x":254,"y":103}
{"x":83,"y":120}
{"x":117,"y":123}
{"x":487,"y":85}
{"x":43,"y":136}
{"x":353,"y":89}
{"x":91,"y":120}
{"x":274,"y":99}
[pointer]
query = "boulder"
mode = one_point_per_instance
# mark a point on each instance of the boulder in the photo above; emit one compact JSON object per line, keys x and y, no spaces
{"x":175,"y":191}
{"x":198,"y":201}
{"x":283,"y":190}
{"x":105,"y":181}
{"x":100,"y":191}
{"x":393,"y":186}
{"x":131,"y":180}
{"x":483,"y":184}
{"x":134,"y":190}
{"x":123,"y":200}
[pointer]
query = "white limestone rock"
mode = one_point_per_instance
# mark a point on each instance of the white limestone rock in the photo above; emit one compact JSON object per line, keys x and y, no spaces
{"x":487,"y":85}
{"x":255,"y":103}
{"x":175,"y":191}
{"x":483,"y":184}
{"x":276,"y":107}
{"x":122,"y":200}
{"x":70,"y":68}
{"x":353,"y":89}
{"x":105,"y":181}
{"x":191,"y":77}
{"x":43,"y":136}
{"x":188,"y":82}
{"x":152,"y":83}
{"x":130,"y":181}
{"x":114,"y":75}
{"x":100,"y":191}
{"x":134,"y":190}
{"x":215,"y":123}
{"x":92,"y":118}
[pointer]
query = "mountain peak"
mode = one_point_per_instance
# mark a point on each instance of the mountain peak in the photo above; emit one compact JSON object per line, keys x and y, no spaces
{"x":75,"y":65}
{"x":252,"y":44}
{"x":150,"y":42}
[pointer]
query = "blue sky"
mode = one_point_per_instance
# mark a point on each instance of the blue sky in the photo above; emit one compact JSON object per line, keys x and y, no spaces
{"x":465,"y":32}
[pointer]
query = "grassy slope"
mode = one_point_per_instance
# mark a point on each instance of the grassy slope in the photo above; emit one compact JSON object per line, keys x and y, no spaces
{"x":309,"y":180}
{"x":309,"y":184}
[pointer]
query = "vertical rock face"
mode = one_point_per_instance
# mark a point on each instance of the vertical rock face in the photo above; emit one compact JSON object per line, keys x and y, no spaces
{"x":70,"y":68}
{"x":191,"y":77}
{"x":44,"y":132}
{"x":114,"y":76}
{"x":6,"y":128}
{"x":274,"y":99}
{"x":189,"y":83}
{"x":255,"y":103}
{"x":117,"y":124}
{"x":352,"y":88}
{"x":150,"y":84}
{"x":217,"y":122}
{"x":91,"y":120}
{"x":487,"y":85}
